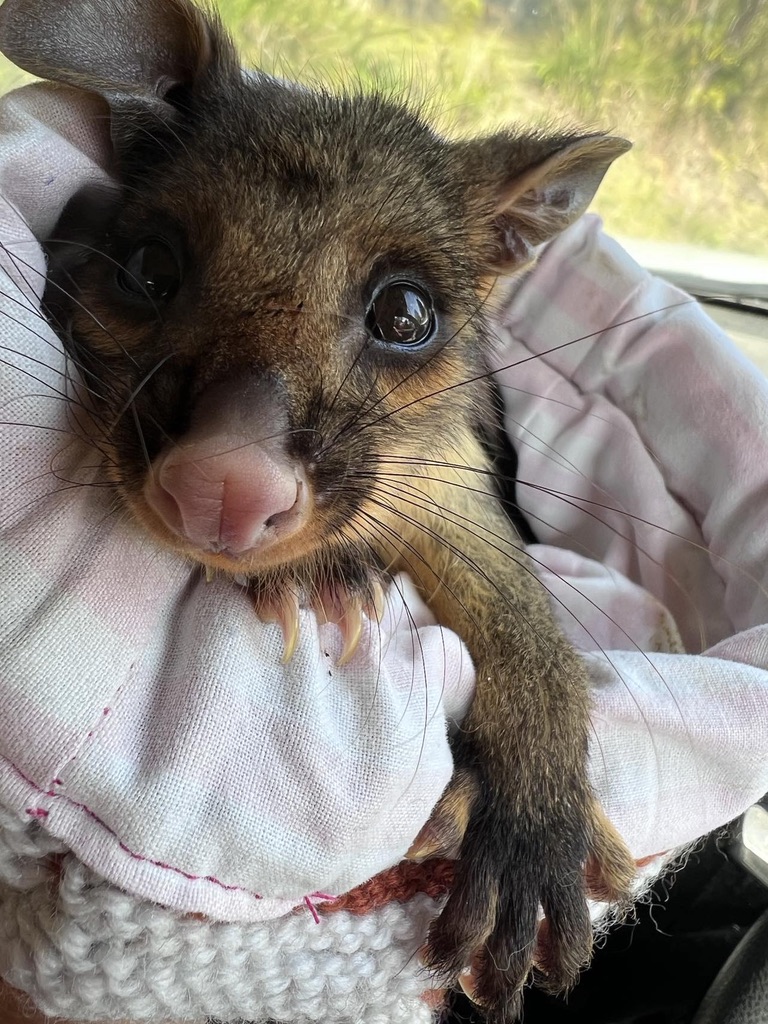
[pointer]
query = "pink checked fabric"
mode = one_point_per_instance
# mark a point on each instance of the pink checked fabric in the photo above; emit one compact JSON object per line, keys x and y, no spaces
{"x":146,"y":721}
{"x":644,"y":446}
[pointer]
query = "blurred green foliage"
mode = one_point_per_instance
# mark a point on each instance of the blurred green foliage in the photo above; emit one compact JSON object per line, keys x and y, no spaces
{"x":700,"y":59}
{"x":687,"y":80}
{"x":376,"y":45}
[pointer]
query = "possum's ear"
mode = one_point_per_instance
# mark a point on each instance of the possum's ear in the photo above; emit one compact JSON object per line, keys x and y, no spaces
{"x":140,"y":55}
{"x":541,"y":186}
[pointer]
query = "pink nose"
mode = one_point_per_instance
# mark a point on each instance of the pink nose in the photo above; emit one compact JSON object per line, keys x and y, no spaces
{"x":225,"y":495}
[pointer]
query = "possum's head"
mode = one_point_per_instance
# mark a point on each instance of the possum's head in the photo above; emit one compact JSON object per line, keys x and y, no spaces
{"x":285,"y":288}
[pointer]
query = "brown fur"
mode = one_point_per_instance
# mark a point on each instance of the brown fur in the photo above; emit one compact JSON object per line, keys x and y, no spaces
{"x":289,"y":206}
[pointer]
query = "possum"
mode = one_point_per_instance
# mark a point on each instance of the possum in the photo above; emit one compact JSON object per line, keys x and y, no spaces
{"x":280,"y":315}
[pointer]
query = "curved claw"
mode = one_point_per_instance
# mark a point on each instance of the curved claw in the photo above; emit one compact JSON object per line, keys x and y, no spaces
{"x":492,"y":922}
{"x":375,"y":607}
{"x":290,"y":627}
{"x":444,"y":833}
{"x":467,"y":982}
{"x":285,"y":612}
{"x":351,"y":629}
{"x":334,"y":604}
{"x":331,"y":604}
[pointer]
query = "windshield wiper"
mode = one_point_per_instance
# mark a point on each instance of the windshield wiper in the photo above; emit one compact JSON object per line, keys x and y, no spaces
{"x":713,"y":276}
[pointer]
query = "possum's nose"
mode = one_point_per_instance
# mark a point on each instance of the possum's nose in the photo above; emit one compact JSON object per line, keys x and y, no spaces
{"x":229,"y":486}
{"x":226,"y":496}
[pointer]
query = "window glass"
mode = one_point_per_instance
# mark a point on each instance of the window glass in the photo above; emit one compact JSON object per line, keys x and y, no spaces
{"x":686,"y":80}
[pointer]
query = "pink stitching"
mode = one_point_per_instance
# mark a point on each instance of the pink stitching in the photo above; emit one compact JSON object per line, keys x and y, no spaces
{"x":40,"y":813}
{"x":312,"y":910}
{"x":89,"y":736}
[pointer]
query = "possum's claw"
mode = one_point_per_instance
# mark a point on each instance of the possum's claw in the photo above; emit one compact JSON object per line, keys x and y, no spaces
{"x":513,"y":863}
{"x":443,"y":834}
{"x":346,"y":610}
{"x":284,"y":610}
{"x":374,"y":607}
{"x":331,"y":604}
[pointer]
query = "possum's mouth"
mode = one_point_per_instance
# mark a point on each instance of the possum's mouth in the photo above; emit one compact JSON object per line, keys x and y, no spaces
{"x":231,"y":496}
{"x":291,"y":565}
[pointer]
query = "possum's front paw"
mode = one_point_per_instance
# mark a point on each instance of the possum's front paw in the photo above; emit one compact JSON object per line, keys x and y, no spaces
{"x":514,"y":860}
{"x":343,"y":604}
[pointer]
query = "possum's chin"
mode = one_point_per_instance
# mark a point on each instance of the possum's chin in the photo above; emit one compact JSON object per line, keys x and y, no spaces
{"x":307,"y":570}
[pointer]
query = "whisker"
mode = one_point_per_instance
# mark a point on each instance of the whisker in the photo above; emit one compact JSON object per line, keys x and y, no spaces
{"x":467,"y":524}
{"x":401,"y":543}
{"x":451,"y":516}
{"x":142,"y":439}
{"x":49,"y":281}
{"x":347,"y":375}
{"x":568,"y":499}
{"x":109,"y":259}
{"x":54,"y":393}
{"x":466,"y":559}
{"x":520,"y":362}
{"x":669,"y":575}
{"x":137,"y":390}
{"x":417,"y":370}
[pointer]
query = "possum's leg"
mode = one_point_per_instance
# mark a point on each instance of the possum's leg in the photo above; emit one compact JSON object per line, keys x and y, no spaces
{"x":520,"y":801}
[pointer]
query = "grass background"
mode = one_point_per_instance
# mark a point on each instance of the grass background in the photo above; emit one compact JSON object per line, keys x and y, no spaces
{"x":687,"y":80}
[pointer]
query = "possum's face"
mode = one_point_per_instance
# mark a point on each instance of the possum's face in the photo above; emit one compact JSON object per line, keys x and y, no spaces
{"x":270,"y":313}
{"x":286,"y":290}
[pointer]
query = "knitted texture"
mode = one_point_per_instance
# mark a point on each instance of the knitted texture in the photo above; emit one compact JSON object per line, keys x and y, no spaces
{"x":83,"y":949}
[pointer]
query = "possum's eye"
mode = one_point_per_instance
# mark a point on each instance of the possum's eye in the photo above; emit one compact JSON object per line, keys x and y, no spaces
{"x":151,"y":272}
{"x":401,"y":314}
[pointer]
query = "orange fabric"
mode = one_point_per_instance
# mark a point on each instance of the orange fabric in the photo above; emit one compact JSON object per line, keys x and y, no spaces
{"x":400,"y":883}
{"x":644,"y":861}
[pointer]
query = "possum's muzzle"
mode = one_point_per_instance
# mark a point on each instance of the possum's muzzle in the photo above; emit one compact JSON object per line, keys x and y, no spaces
{"x":230,"y":494}
{"x":229,"y":487}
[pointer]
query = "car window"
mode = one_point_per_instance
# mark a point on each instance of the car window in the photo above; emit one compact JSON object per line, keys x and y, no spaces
{"x":684,"y":79}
